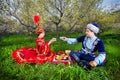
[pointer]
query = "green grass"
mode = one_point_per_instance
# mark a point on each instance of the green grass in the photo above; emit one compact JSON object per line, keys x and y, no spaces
{"x":10,"y":70}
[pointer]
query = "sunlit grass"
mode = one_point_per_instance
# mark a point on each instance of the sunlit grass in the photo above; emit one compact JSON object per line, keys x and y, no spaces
{"x":10,"y":70}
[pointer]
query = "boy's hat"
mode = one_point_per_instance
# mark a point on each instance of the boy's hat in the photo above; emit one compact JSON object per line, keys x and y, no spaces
{"x":93,"y":27}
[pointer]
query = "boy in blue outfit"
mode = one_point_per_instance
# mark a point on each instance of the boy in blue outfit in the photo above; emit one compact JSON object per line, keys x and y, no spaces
{"x":90,"y":44}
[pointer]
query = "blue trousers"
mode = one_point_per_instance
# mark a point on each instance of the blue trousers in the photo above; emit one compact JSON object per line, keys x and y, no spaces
{"x":83,"y":56}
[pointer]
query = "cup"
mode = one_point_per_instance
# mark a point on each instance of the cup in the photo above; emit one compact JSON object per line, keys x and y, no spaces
{"x":62,"y":38}
{"x":54,"y":39}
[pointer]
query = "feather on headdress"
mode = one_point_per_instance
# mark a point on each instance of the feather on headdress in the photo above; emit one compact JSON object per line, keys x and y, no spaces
{"x":36,"y":18}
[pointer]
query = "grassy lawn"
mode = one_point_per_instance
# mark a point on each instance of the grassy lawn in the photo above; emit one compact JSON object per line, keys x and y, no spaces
{"x":10,"y":70}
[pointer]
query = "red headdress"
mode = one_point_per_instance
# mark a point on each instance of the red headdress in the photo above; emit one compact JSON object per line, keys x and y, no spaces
{"x":36,"y":18}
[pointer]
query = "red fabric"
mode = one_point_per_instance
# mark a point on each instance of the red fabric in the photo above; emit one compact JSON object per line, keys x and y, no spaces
{"x":40,"y":54}
{"x":25,"y":53}
{"x":36,"y":18}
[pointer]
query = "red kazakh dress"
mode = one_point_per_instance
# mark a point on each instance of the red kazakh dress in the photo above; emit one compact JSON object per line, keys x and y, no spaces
{"x":40,"y":54}
{"x":44,"y":52}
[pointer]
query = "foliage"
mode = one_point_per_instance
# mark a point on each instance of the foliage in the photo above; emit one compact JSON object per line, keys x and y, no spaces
{"x":10,"y":70}
{"x":69,"y":14}
{"x":56,"y":15}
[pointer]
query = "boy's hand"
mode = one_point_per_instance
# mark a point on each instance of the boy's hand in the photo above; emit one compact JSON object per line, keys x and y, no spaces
{"x":67,"y":52}
{"x":63,"y":38}
{"x":93,"y":63}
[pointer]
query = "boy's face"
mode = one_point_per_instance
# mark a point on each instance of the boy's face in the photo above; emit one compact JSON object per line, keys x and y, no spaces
{"x":89,"y":33}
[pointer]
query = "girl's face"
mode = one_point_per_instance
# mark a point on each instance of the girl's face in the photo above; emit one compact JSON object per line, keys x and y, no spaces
{"x":89,"y":33}
{"x":41,"y":35}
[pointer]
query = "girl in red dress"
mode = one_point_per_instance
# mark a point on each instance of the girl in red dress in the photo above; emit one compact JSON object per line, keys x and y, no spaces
{"x":40,"y":54}
{"x":43,"y":48}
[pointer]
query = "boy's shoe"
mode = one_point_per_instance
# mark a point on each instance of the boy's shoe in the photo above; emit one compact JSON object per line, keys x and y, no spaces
{"x":85,"y":64}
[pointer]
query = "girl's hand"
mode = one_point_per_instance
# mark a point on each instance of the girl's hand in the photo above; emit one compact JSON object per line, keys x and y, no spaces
{"x":52,"y":40}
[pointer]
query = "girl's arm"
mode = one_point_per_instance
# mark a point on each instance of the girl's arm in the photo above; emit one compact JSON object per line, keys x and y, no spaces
{"x":51,"y":41}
